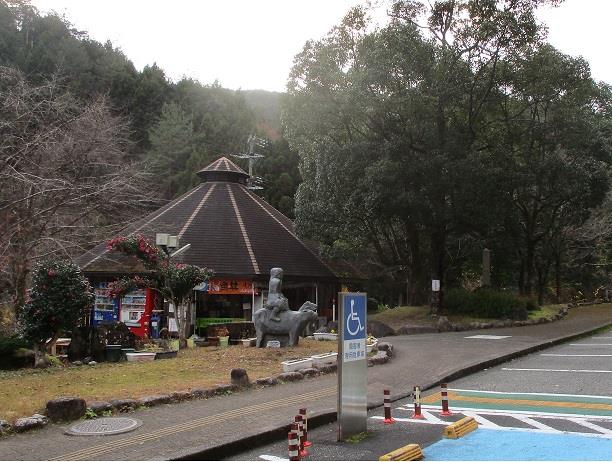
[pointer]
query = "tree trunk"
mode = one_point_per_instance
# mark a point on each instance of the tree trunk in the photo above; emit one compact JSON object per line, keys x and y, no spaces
{"x":558,"y":277}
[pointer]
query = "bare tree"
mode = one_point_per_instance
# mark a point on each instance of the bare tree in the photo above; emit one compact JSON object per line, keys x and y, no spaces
{"x":65,"y":179}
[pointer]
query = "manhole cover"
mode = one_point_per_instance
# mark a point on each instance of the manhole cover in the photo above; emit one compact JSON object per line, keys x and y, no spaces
{"x":104,"y":426}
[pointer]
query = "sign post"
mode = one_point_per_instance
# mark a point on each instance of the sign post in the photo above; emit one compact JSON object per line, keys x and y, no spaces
{"x":352,"y":364}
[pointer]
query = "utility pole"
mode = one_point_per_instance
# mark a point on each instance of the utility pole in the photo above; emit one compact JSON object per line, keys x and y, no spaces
{"x":253,"y":142}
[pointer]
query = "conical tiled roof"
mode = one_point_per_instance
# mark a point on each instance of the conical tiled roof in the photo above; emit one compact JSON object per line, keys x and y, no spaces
{"x":231,"y":230}
{"x":223,"y":169}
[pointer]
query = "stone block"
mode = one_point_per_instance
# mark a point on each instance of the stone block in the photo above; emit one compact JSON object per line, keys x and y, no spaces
{"x":290,"y":377}
{"x":124,"y":405}
{"x":379,"y":329}
{"x":179,"y":396}
{"x":385,"y":346}
{"x":29,"y":423}
{"x":66,"y":408}
{"x":240,"y":378}
{"x":5,"y":427}
{"x":309,"y":372}
{"x":267,"y":381}
{"x":328,"y":369}
{"x":100,"y":406}
{"x":155,"y":400}
{"x":412,"y":330}
{"x":443,"y":324}
{"x":224,"y":389}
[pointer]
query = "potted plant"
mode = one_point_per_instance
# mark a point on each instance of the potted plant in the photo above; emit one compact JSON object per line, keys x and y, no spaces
{"x":223,"y":334}
{"x":371,"y":343}
{"x":245,"y":340}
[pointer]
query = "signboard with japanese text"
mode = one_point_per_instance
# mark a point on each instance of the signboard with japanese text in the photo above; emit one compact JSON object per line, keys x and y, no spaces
{"x":230,"y":287}
{"x":352,"y":364}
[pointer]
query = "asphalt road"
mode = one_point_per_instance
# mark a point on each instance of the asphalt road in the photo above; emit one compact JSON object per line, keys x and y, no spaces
{"x":578,"y":367}
{"x":555,"y":404}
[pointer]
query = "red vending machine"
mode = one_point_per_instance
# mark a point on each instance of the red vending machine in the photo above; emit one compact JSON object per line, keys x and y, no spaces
{"x":136,"y":308}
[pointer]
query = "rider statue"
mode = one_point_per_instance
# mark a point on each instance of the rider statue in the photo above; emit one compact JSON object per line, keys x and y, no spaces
{"x":277,"y":302}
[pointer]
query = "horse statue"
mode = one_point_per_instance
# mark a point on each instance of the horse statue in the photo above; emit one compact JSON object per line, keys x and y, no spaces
{"x":292,"y":323}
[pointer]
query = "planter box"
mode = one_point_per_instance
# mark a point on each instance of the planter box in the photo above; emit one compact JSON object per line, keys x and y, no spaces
{"x":135,"y":357}
{"x":370,"y":346}
{"x":325,"y":359}
{"x":325,"y":336}
{"x":293,"y":365}
{"x":247,"y":342}
{"x":223,"y":341}
{"x":166,"y":354}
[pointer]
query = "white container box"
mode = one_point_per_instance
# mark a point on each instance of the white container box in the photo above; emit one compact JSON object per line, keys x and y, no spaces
{"x":135,"y":357}
{"x":325,"y":336}
{"x":325,"y":359}
{"x":293,"y":365}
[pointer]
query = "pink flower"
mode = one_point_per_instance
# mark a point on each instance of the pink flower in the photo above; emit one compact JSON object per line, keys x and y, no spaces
{"x":51,"y":273}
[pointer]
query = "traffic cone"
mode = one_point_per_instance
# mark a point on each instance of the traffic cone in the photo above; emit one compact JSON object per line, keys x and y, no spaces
{"x":387,"y":401}
{"x":294,"y":445}
{"x":305,"y":420}
{"x":444,"y":393}
{"x":300,"y":422}
{"x":417,"y":404}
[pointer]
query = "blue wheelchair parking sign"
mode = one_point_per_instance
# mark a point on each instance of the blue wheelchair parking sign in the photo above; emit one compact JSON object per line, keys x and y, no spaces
{"x":354,"y":327}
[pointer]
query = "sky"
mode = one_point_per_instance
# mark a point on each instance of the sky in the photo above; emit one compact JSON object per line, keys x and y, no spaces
{"x":250,"y":44}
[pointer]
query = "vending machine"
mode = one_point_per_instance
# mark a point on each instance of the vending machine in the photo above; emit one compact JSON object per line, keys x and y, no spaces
{"x":105,"y":309}
{"x":136,"y":310}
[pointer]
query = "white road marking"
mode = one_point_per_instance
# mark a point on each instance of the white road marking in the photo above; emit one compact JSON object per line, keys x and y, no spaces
{"x":519,"y":415}
{"x":432,"y":418}
{"x":490,"y":337}
{"x":536,"y":424}
{"x":486,"y":423}
{"x":590,"y":344}
{"x":556,"y":370}
{"x":525,"y":393}
{"x":539,"y":414}
{"x":592,"y":426}
{"x":576,"y":356}
{"x":274,"y":458}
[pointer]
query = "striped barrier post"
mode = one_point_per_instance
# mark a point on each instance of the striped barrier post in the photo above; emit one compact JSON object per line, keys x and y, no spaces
{"x":294,"y":446}
{"x":300,"y":422}
{"x":444,"y":393}
{"x":305,"y":419}
{"x":387,"y":401}
{"x":417,"y":404}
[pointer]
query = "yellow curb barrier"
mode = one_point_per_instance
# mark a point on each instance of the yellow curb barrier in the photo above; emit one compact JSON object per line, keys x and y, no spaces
{"x":409,"y":452}
{"x":460,"y":428}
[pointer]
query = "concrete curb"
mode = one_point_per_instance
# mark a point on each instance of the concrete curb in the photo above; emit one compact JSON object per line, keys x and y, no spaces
{"x":271,"y":434}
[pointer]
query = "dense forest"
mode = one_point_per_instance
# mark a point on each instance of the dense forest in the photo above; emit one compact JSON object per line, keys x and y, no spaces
{"x":456,"y":127}
{"x":408,"y":148}
{"x":89,"y":143}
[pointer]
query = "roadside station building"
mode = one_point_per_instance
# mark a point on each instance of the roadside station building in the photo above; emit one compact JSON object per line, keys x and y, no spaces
{"x":231,"y":231}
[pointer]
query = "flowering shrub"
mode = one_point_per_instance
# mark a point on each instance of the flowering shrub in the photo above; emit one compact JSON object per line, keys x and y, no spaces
{"x":175,"y":282}
{"x":139,"y":247}
{"x":125,"y":285}
{"x":60,"y":297}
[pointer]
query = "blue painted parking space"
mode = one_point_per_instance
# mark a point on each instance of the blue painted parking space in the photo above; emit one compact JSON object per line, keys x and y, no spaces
{"x":484,"y":444}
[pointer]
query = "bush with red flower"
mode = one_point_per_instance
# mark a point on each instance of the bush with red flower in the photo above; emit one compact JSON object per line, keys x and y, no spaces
{"x":60,"y":297}
{"x":139,"y":247}
{"x":175,"y":282}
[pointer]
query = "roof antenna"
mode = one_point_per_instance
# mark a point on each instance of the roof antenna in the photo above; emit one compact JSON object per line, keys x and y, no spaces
{"x":254,"y":182}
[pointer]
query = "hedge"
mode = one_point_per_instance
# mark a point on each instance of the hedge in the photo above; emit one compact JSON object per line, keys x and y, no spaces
{"x":487,"y":303}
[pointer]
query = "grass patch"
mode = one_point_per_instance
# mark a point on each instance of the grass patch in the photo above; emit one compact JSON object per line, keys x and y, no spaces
{"x":545,"y":311}
{"x":26,"y":391}
{"x":402,"y":315}
{"x":358,"y":438}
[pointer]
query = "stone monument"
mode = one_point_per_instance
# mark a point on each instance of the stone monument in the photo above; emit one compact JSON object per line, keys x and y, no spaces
{"x":276,"y":321}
